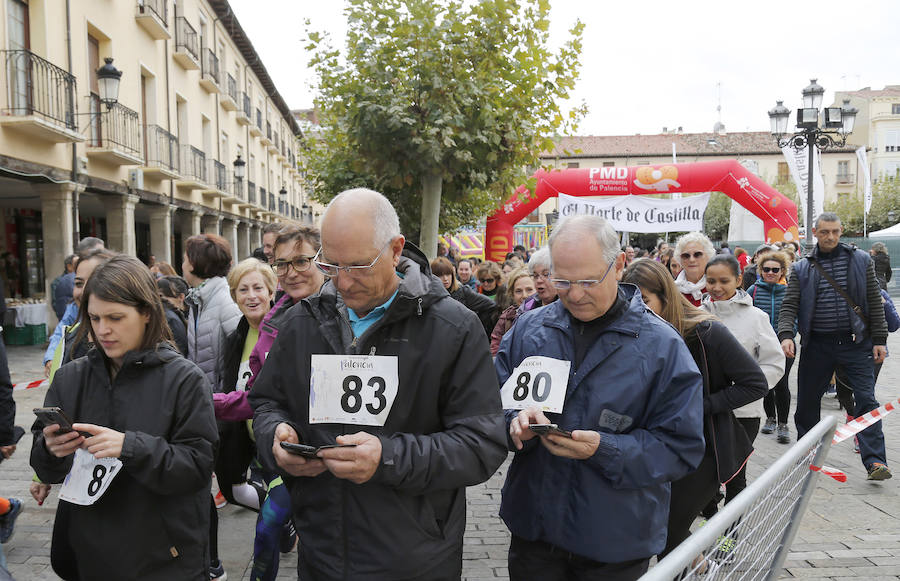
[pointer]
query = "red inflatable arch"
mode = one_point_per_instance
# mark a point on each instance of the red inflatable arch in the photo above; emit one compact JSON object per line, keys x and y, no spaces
{"x":779,"y":214}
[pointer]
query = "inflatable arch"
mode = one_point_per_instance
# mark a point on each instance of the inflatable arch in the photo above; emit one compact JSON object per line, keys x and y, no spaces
{"x":778,"y":213}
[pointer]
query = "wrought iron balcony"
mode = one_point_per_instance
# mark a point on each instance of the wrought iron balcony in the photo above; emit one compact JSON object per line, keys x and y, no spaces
{"x":243,"y":109}
{"x":256,"y":128}
{"x":39,"y":98}
{"x":162,"y":152}
{"x":218,"y":175}
{"x":266,"y":138}
{"x":210,"y":79}
{"x":271,"y":202}
{"x":115,"y":133}
{"x":229,"y":99}
{"x":251,"y":192}
{"x":844,"y":179}
{"x":153,"y":15}
{"x":262,"y":197}
{"x":193,"y":168}
{"x":187,"y":44}
{"x":273,"y":146}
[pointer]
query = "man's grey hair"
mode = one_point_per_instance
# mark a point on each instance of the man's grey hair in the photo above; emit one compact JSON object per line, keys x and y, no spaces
{"x":538,"y":259}
{"x":595,"y":226}
{"x":272,"y":228}
{"x":700,"y":238}
{"x":384,"y":217}
{"x":89,"y":243}
{"x":827,"y":217}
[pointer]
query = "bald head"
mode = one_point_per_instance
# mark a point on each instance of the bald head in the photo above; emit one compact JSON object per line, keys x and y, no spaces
{"x":364,"y":209}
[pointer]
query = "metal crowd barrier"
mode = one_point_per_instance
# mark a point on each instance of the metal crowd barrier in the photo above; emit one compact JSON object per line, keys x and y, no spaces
{"x":750,"y":537}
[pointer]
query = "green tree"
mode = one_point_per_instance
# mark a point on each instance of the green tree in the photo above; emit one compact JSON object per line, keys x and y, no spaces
{"x":440,"y":105}
{"x":885,"y":204}
{"x":716,"y":218}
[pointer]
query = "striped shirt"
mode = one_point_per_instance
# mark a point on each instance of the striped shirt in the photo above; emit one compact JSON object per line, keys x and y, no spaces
{"x":832,"y":313}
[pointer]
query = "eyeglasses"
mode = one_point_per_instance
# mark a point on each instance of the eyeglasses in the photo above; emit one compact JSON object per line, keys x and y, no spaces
{"x":484,"y":280}
{"x":299,"y":264}
{"x":333,"y":270}
{"x":687,"y":255}
{"x":586,"y":284}
{"x":541,"y":275}
{"x":771,"y":269}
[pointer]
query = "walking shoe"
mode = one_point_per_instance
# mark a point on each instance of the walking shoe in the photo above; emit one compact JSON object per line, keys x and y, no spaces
{"x":784,"y":434}
{"x":217,"y":573}
{"x":878,"y":471}
{"x":8,"y":520}
{"x":769,"y":427}
{"x":220,"y":500}
{"x":288,"y":537}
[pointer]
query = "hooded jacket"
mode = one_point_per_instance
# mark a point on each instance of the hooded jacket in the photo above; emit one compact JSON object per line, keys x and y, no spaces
{"x":213,"y":316}
{"x":152,"y":523}
{"x":640,"y":388}
{"x":444,"y":432}
{"x":751,"y":327}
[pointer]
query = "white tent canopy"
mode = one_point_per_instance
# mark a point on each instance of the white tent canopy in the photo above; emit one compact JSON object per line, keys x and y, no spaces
{"x":893,"y":231}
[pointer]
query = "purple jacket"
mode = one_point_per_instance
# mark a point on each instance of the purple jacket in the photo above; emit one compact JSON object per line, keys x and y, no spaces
{"x":233,"y":406}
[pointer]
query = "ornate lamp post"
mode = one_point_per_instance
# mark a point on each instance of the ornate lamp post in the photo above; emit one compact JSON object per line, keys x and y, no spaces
{"x":108,"y":78}
{"x":837,"y":125}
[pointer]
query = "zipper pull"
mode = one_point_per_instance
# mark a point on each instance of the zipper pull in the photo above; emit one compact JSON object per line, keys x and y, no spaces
{"x":419,"y":308}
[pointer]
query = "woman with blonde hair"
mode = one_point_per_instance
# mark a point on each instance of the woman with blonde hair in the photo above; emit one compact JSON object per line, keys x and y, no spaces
{"x":731,"y":379}
{"x":520,"y":286}
{"x":693,"y":251}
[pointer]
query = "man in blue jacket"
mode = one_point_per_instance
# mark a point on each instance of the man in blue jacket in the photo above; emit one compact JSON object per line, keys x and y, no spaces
{"x":595,"y":505}
{"x":834,"y":335}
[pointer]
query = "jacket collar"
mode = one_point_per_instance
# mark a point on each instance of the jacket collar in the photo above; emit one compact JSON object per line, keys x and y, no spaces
{"x":162,"y":354}
{"x":206,"y":290}
{"x":740,"y":300}
{"x":628,"y":324}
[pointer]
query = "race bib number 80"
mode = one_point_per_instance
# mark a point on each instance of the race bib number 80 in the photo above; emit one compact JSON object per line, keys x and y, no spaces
{"x":352,"y":389}
{"x":537,"y":382}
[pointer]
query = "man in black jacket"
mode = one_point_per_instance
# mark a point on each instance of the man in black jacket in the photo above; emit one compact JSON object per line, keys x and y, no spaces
{"x":382,"y":359}
{"x":835,"y":335}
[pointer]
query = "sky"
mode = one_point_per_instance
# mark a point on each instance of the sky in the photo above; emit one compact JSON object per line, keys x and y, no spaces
{"x":649,"y":64}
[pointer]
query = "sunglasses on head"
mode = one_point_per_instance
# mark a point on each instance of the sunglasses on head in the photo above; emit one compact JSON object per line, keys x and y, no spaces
{"x":696,"y":255}
{"x":771,"y":269}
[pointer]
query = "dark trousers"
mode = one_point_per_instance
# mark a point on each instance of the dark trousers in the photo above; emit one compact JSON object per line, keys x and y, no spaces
{"x":450,"y":569}
{"x":529,"y":560}
{"x":739,"y":482}
{"x":777,"y":402}
{"x":822,"y":355}
{"x":845,"y":391}
{"x":690,"y":495}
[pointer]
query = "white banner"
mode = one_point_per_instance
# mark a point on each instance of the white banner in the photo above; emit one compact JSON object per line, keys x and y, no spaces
{"x":797,"y":162}
{"x":639,"y":213}
{"x":864,"y":168}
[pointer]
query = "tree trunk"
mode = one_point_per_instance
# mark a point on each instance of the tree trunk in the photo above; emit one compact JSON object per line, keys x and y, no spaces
{"x":431,"y":209}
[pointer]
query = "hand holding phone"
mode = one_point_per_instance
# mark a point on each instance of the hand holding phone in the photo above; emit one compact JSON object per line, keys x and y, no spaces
{"x":547,"y":429}
{"x":55,"y":415}
{"x":311,"y":452}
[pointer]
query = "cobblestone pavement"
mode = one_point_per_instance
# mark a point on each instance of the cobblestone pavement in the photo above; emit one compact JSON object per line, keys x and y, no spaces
{"x":850,"y":530}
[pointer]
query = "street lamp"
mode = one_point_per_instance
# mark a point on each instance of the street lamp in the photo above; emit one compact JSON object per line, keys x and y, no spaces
{"x":240,"y":168}
{"x":108,"y":78}
{"x":838,"y":124}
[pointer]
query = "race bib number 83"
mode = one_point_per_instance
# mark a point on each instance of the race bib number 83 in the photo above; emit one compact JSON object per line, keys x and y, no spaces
{"x":537,"y":382}
{"x":352,"y":389}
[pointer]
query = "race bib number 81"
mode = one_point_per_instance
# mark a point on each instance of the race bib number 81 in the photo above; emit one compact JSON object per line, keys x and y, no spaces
{"x":352,"y":389}
{"x":537,"y":382}
{"x":89,"y":478}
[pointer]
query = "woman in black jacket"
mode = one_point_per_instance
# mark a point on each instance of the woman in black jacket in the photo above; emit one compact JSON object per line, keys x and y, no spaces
{"x":172,"y":291}
{"x":882,"y":261}
{"x":140,"y":455}
{"x":483,"y":306}
{"x":731,"y":379}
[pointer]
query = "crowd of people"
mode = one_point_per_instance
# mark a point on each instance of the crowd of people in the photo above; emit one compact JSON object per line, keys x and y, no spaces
{"x":348,"y":390}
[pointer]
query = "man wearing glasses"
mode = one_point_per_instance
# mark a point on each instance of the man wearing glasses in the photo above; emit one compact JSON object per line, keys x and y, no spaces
{"x":383,"y":363}
{"x":591,"y":501}
{"x":835,"y":298}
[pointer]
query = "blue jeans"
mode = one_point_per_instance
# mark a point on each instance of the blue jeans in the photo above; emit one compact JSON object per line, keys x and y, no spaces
{"x":821,"y":356}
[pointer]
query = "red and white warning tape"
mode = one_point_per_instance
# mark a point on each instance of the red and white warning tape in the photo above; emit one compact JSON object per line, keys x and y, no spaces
{"x":829,"y":471}
{"x":31,"y":384}
{"x":854,"y":427}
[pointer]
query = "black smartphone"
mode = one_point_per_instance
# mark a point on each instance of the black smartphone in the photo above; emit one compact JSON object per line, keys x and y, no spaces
{"x":546,"y":429}
{"x":54,"y":415}
{"x":310,"y":451}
